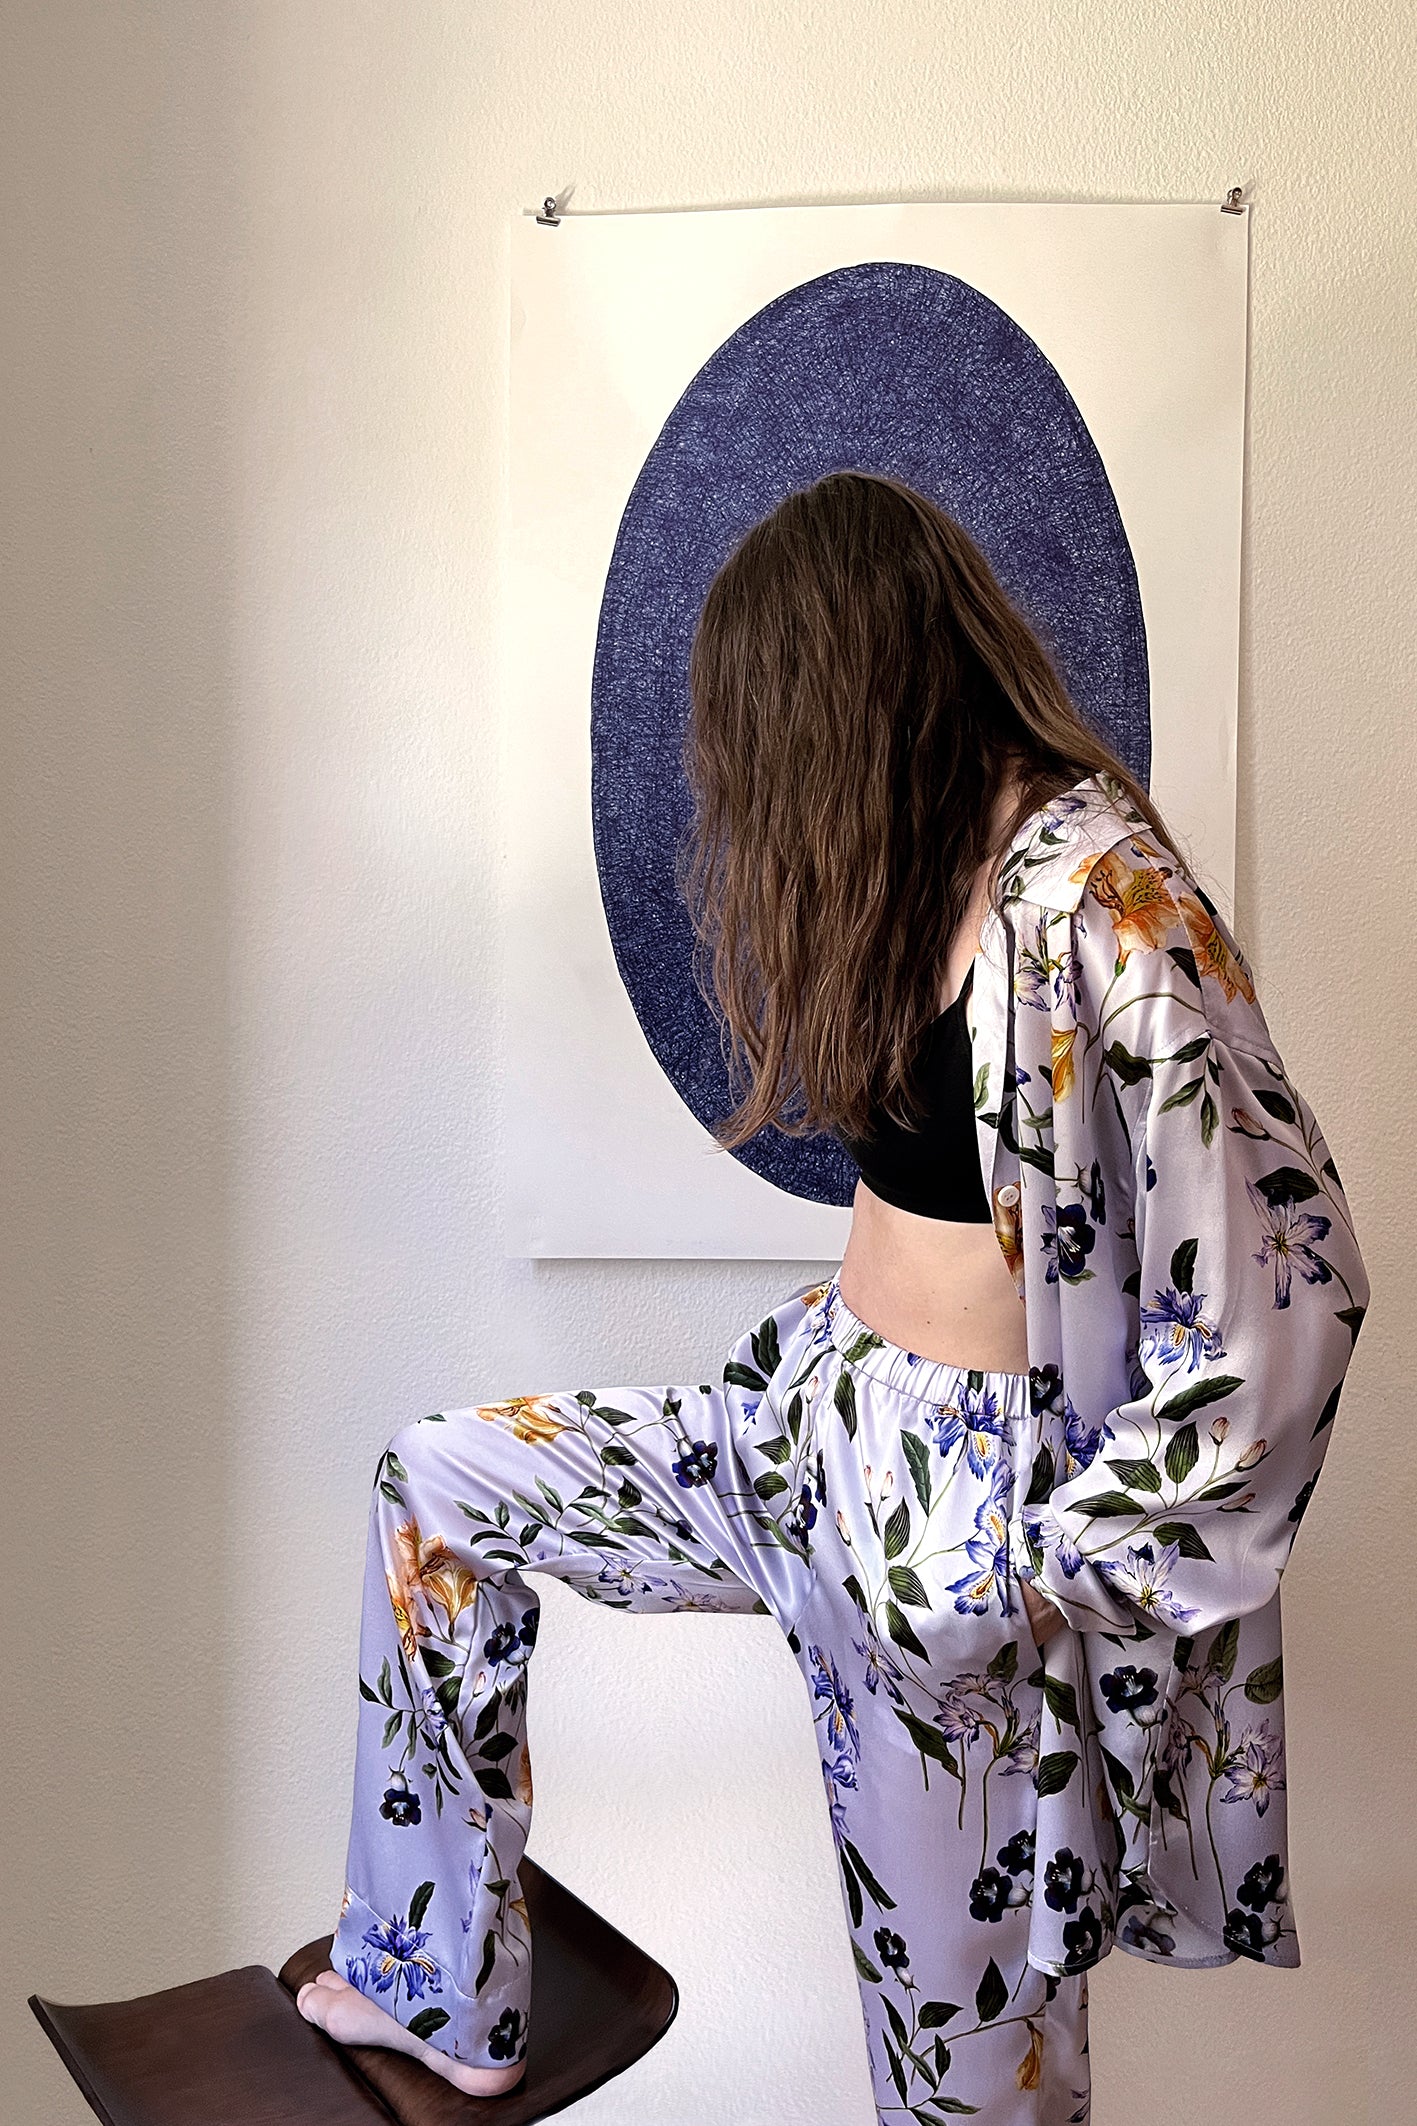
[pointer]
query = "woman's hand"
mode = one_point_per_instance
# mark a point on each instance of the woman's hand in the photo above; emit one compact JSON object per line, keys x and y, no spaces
{"x":1044,"y":1619}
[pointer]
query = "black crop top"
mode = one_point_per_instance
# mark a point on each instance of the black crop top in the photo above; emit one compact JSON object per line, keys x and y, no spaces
{"x":933,"y":1170}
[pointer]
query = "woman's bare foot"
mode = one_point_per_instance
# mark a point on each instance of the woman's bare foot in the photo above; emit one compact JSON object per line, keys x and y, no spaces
{"x":352,"y":2018}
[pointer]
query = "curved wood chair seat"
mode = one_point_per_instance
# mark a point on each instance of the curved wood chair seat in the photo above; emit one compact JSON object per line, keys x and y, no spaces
{"x":234,"y":2050}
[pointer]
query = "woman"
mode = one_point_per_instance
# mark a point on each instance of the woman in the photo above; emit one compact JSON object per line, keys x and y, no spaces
{"x":1027,"y":1555}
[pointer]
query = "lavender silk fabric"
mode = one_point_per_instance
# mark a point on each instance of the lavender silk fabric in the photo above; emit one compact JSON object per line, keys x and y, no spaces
{"x":882,"y":367}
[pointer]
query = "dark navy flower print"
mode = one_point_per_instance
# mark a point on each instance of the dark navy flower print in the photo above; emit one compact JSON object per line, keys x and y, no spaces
{"x":696,"y":1464}
{"x":499,"y":1643}
{"x":1130,"y":1690}
{"x":1082,"y":1939}
{"x":1071,"y":1241}
{"x":991,"y":1893}
{"x":1065,"y":1881}
{"x":891,"y":1949}
{"x":506,"y":2034}
{"x":400,"y":1805}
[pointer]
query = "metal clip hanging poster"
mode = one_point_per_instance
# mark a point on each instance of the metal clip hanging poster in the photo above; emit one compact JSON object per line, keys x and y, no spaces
{"x":1067,"y":380}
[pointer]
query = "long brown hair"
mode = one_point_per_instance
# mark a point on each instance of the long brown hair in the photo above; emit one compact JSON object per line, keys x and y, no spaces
{"x":861,"y":689}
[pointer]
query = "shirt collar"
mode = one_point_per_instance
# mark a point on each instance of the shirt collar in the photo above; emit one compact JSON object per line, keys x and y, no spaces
{"x":1054,"y":848}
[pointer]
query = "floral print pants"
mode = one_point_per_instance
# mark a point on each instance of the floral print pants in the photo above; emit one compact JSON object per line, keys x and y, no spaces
{"x":857,"y":1493}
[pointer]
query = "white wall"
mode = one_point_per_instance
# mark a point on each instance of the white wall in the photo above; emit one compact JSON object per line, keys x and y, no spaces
{"x":255,"y":326}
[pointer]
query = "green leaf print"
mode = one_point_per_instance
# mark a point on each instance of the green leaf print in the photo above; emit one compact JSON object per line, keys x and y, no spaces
{"x":1130,"y":1069}
{"x":928,"y":1740}
{"x":1041,"y":1477}
{"x":427,"y":2021}
{"x":1188,"y":1540}
{"x":864,"y":1964}
{"x":1055,"y":1770}
{"x":906,"y":1584}
{"x":766,"y":1349}
{"x":867,"y":1341}
{"x":740,"y":1376}
{"x":386,"y":1683}
{"x":1005,"y":1662}
{"x":1121,"y":1776}
{"x":1108,"y":1505}
{"x":769,"y":1484}
{"x":934,"y":2014}
{"x":1199,"y":1394}
{"x":854,"y":1901}
{"x":1137,"y":1475}
{"x":845,"y":1399}
{"x":419,"y":1902}
{"x":391,"y":1728}
{"x":776,"y":1449}
{"x":1062,"y":1701}
{"x":898,"y":1625}
{"x":489,"y":1957}
{"x":992,"y":1995}
{"x":436,"y":1664}
{"x":917,"y":1453}
{"x":1224,"y":1648}
{"x":1182,"y":1454}
{"x":897,"y":1533}
{"x":887,"y":1904}
{"x":1183,"y":1098}
{"x":1263,"y":1684}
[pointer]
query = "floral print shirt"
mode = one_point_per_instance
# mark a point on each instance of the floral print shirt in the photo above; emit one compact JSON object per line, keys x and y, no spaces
{"x":1179,"y":1237}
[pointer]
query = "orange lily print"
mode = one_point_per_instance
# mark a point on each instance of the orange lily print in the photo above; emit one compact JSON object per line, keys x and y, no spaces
{"x":1136,"y":898}
{"x":1213,"y":955}
{"x":532,"y":1418}
{"x":1062,"y":1070}
{"x":427,"y":1566}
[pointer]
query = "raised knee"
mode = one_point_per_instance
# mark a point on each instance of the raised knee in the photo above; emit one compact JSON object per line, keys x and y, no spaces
{"x":409,"y":1453}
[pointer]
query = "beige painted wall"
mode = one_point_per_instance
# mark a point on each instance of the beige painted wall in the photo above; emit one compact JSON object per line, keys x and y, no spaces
{"x":255,"y":336}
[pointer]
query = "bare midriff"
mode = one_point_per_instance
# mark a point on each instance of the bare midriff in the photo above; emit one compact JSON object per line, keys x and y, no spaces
{"x":938,"y":1288}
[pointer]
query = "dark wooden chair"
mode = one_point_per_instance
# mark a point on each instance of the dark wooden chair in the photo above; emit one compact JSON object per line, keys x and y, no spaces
{"x":234,"y":2050}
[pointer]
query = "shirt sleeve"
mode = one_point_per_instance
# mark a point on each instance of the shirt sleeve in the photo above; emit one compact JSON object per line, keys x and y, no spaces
{"x":1250,"y":1292}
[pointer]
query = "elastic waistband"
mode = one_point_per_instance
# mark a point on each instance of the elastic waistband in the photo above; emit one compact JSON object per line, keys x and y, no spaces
{"x":932,"y":1380}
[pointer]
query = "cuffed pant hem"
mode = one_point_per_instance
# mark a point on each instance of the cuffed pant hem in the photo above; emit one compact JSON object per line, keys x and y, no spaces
{"x":390,"y":1961}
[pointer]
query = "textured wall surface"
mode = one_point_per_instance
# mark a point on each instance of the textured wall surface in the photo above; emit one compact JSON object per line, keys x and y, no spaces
{"x":255,"y":351}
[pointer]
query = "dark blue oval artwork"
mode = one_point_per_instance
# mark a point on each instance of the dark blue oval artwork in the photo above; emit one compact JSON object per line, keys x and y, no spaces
{"x":882,"y":367}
